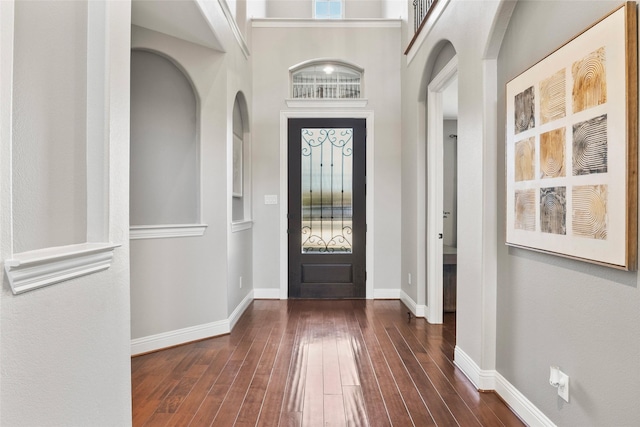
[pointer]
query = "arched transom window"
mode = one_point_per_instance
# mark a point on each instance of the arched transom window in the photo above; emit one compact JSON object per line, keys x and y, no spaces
{"x":330,"y":79}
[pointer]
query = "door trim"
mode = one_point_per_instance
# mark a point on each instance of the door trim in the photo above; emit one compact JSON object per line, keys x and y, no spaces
{"x":434,"y":195}
{"x":284,"y":187}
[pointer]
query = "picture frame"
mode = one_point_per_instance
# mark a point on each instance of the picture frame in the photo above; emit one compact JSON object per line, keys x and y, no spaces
{"x":237,"y":166}
{"x":571,"y":147}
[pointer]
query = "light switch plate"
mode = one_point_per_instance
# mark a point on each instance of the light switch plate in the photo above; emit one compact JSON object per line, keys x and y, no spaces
{"x":271,"y":199}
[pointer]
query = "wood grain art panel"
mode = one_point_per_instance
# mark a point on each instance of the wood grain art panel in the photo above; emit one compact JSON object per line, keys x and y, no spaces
{"x":525,"y":158}
{"x":524,"y":104}
{"x":590,"y":81}
{"x":553,"y":210}
{"x":525,"y":205}
{"x":553,"y":97}
{"x":552,"y":157}
{"x":590,"y":151}
{"x":590,"y":211}
{"x":302,"y":362}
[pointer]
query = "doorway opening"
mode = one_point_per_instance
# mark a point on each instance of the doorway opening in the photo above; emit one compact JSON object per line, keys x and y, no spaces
{"x":369,"y":120}
{"x":327,"y":208}
{"x":442,"y":92}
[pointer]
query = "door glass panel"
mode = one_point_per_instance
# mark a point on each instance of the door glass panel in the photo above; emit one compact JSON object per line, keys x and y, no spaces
{"x":327,"y":209}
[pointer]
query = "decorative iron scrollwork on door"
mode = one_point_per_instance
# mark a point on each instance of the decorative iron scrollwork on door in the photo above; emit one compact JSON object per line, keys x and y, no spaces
{"x":327,"y":190}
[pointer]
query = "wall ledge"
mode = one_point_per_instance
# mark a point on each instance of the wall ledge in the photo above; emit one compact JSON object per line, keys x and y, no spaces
{"x":137,"y":232}
{"x":492,"y":380}
{"x":32,"y":270}
{"x":326,"y":103}
{"x":237,"y":226}
{"x":325,"y":23}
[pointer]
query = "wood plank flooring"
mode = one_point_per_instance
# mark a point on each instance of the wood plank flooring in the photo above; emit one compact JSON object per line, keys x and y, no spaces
{"x":315,"y":363}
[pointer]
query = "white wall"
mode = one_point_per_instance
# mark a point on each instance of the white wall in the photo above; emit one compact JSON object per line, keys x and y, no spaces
{"x":552,"y":311}
{"x":450,"y":190}
{"x":289,"y":9}
{"x":65,"y":348}
{"x":377,"y":50}
{"x":396,"y":9}
{"x":364,"y":9}
{"x":54,"y":150}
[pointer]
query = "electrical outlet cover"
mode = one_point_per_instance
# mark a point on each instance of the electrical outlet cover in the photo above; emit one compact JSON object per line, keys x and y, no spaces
{"x":563,"y":389}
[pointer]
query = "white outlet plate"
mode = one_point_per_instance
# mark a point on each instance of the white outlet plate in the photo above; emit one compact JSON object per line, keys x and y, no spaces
{"x":409,"y":278}
{"x":563,"y":388}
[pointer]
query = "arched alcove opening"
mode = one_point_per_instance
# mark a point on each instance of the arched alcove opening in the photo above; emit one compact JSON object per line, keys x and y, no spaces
{"x":241,"y":163}
{"x":165,"y":173}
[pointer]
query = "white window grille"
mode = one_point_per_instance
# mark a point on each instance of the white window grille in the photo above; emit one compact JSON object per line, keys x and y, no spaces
{"x":326,"y":79}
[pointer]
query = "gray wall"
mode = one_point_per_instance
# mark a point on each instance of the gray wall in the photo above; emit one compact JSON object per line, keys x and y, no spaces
{"x":378,"y":51}
{"x":49,"y":125}
{"x":165,"y":185}
{"x":240,"y":283}
{"x":181,"y":282}
{"x":553,"y":311}
{"x":469,"y":27}
{"x":450,"y":184}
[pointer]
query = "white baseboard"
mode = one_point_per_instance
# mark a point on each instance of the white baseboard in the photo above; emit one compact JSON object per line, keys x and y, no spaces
{"x":235,"y":316}
{"x":526,"y":410}
{"x":492,"y":380}
{"x":266,"y":293}
{"x":481,"y":379}
{"x":273,"y":293}
{"x":416,"y":309}
{"x":192,"y":333}
{"x":386,"y":294}
{"x":179,"y":336}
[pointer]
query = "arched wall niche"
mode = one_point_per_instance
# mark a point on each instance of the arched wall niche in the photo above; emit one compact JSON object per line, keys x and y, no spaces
{"x":176,"y":64}
{"x":241,"y":160}
{"x":165,"y":119}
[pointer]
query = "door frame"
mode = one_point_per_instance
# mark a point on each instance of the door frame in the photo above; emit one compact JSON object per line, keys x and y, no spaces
{"x":284,"y":188}
{"x":434,"y":194}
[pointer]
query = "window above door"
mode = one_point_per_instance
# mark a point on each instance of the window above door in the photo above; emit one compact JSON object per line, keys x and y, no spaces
{"x":326,"y":79}
{"x":328,"y":9}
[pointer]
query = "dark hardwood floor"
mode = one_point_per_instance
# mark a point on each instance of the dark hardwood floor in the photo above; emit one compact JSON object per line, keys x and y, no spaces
{"x":325,"y":363}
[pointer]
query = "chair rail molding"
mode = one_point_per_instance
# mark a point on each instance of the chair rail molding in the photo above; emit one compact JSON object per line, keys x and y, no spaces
{"x":137,"y":232}
{"x":32,"y":270}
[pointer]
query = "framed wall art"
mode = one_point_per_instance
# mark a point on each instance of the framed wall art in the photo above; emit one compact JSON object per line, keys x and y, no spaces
{"x":571,"y":154}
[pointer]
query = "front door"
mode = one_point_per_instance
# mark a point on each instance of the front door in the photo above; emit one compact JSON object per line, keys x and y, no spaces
{"x":327,"y":208}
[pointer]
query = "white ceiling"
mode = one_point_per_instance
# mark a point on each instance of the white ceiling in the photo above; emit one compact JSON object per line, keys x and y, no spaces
{"x":182,"y":19}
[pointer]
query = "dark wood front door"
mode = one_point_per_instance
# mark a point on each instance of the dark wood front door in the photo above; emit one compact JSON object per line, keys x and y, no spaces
{"x":327,"y":208}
